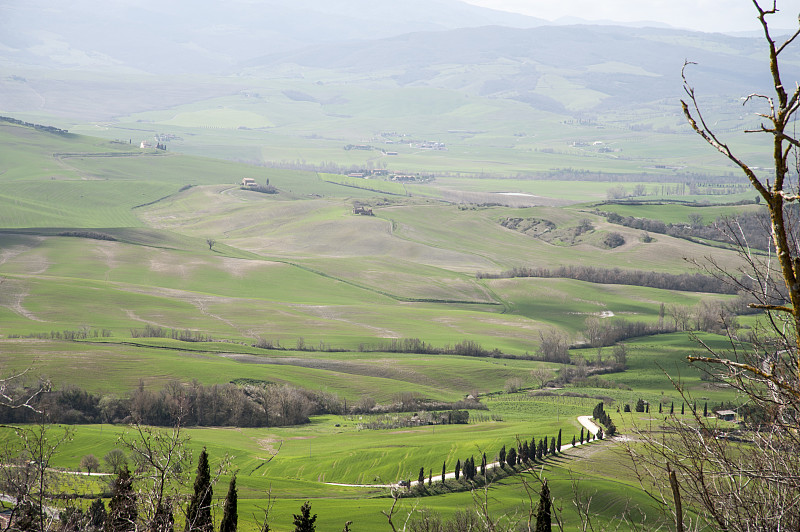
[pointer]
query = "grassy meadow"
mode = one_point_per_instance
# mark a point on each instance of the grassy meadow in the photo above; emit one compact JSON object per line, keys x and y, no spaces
{"x":99,"y":235}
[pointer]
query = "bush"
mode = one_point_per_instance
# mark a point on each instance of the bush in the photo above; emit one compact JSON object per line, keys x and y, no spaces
{"x":613,"y":240}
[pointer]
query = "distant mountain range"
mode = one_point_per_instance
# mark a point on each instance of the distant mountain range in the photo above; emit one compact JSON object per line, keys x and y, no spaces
{"x":414,"y":43}
{"x":622,"y":66}
{"x":207,"y":35}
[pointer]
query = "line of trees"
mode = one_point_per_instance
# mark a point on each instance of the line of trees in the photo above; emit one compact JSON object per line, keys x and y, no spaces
{"x":685,"y":282}
{"x":599,"y":413}
{"x":752,"y":226}
{"x":40,"y":127}
{"x":190,"y":404}
{"x":521,"y":453}
{"x":242,"y":403}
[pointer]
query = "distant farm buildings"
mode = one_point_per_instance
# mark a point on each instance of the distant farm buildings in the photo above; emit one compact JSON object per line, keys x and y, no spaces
{"x":363,"y":211}
{"x":249,"y":182}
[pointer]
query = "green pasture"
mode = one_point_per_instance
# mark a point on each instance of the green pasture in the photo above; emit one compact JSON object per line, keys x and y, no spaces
{"x":491,"y":136}
{"x":310,"y":456}
{"x":298,"y":270}
{"x":674,"y":213}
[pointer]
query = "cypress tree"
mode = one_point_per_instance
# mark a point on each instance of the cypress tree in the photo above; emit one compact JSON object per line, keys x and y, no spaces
{"x":198,"y":516}
{"x":552,"y":446}
{"x":573,"y":440}
{"x":305,"y":521}
{"x":483,"y":465}
{"x":430,"y":477}
{"x":444,"y":471}
{"x":502,"y":456}
{"x":97,"y":514}
{"x":543,"y":519}
{"x":230,"y":513}
{"x":705,"y":409}
{"x":581,"y":435}
{"x":671,"y":408}
{"x":544,"y":447}
{"x":659,"y":408}
{"x":558,"y":443}
{"x":421,"y":476}
{"x":683,"y":405}
{"x":122,"y":511}
{"x":458,"y":468}
{"x":512,"y":457}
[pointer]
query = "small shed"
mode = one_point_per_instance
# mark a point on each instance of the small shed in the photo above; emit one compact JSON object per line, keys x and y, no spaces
{"x":726,"y":415}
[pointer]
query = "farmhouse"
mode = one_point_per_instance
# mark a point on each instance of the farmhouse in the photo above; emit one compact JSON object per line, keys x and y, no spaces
{"x":249,"y":182}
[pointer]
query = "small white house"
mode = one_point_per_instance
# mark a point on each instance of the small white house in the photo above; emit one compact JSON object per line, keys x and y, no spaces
{"x":249,"y":182}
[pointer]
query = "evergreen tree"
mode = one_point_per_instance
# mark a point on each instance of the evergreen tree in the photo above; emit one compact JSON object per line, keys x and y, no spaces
{"x":458,"y":468}
{"x":682,"y":408}
{"x":640,"y":405}
{"x":671,"y":408}
{"x":544,"y":447}
{"x":502,"y":456}
{"x":573,"y":440}
{"x":430,"y":477}
{"x":543,"y":518}
{"x":552,"y":446}
{"x":305,"y":521}
{"x":483,"y":465}
{"x":122,"y":511}
{"x":97,"y":514}
{"x":523,"y":452}
{"x":581,"y":435}
{"x":198,"y":515}
{"x":705,"y":409}
{"x":558,"y":442}
{"x":230,"y":512}
{"x":647,"y":408}
{"x":444,"y":471}
{"x":421,"y":476}
{"x":659,"y":408}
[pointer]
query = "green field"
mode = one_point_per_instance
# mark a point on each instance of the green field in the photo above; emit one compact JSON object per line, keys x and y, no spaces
{"x":98,"y":236}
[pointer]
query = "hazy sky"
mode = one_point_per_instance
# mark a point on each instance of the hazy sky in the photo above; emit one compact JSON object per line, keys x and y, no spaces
{"x":703,"y":15}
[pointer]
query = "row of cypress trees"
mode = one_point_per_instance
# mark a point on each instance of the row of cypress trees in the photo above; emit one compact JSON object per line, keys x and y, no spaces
{"x":122,"y":514}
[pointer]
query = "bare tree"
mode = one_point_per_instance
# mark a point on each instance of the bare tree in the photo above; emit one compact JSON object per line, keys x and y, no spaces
{"x":162,"y":460}
{"x":211,"y":242}
{"x":541,"y":376}
{"x":90,"y":463}
{"x":704,"y":478}
{"x":13,"y":393}
{"x":27,"y":476}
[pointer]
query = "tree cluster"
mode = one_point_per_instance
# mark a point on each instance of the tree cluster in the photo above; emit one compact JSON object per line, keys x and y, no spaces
{"x":752,"y":226}
{"x":685,"y":282}
{"x":188,"y":404}
{"x":599,"y":413}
